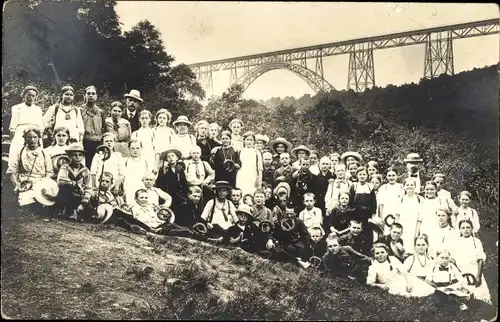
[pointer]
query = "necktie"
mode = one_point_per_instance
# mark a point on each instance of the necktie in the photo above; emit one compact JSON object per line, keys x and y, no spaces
{"x":443,"y":269}
{"x":198,"y":175}
{"x":130,"y":115}
{"x":413,"y":175}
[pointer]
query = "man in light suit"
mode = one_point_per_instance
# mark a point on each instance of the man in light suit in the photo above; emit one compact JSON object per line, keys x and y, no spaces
{"x":131,"y":113}
{"x":413,"y":165}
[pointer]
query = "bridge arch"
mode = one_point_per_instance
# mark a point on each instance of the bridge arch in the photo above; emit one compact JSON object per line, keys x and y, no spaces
{"x":315,"y":81}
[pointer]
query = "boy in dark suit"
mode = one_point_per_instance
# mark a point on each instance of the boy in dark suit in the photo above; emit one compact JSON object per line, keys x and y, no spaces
{"x":189,"y":211}
{"x":131,"y":113}
{"x":394,"y":242}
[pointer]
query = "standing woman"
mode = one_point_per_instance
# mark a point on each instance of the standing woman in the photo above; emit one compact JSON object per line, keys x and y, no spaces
{"x":120,"y":127}
{"x":408,"y":214}
{"x":24,"y":115}
{"x":65,"y":114}
{"x":30,"y":164}
{"x":163,"y":132}
{"x":389,"y":196}
{"x":94,"y":122}
{"x":249,"y":177}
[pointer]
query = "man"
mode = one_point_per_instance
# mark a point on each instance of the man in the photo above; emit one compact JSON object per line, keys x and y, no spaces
{"x":413,"y":165}
{"x":94,"y":122}
{"x":321,"y":182}
{"x":131,"y":113}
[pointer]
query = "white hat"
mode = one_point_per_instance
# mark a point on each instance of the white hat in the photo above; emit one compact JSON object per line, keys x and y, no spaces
{"x":135,"y":94}
{"x":104,"y":212}
{"x":413,"y":158}
{"x":46,"y":191}
{"x":170,"y":216}
{"x":182,"y":119}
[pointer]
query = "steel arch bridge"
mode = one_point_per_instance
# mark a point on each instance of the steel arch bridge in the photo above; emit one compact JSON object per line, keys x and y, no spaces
{"x":438,"y":57}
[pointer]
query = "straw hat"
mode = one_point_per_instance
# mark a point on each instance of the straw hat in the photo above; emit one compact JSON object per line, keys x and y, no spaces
{"x":263,"y":138}
{"x":300,"y":148}
{"x":57,"y":161}
{"x":104,"y":212}
{"x":353,"y":154}
{"x":282,"y":186}
{"x":182,"y":119}
{"x":75,"y":147}
{"x":377,"y":224}
{"x":222,"y":184}
{"x":229,"y":165}
{"x":413,"y":158}
{"x":46,"y":191}
{"x":166,"y":214}
{"x":163,"y":155}
{"x":273,"y":143}
{"x":398,"y":249}
{"x":245,"y":209}
{"x":135,"y":94}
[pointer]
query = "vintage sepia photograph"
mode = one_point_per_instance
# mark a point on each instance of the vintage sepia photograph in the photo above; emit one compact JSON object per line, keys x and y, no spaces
{"x":210,"y":160}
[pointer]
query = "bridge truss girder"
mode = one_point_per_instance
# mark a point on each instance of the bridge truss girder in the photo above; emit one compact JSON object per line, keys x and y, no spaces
{"x":439,"y":55}
{"x":315,"y":81}
{"x":361,"y":73}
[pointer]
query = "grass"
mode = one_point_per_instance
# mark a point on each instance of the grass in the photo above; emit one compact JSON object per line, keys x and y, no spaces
{"x":64,"y":270}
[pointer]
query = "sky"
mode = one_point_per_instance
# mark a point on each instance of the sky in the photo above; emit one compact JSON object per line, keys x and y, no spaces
{"x":202,"y":31}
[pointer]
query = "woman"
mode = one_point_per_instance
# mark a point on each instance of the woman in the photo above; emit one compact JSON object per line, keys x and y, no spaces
{"x":163,"y":132}
{"x":441,"y":233}
{"x":388,"y":273}
{"x":249,"y":177}
{"x":65,"y":114}
{"x":29,"y":165}
{"x":24,"y":115}
{"x":409,"y":214}
{"x":430,"y":204}
{"x":120,"y":127}
{"x":389,"y":197}
{"x":420,"y":262}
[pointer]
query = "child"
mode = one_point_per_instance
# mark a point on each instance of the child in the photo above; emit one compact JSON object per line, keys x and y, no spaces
{"x":372,"y":167}
{"x":261,"y":142}
{"x":155,"y":195}
{"x":355,"y":238}
{"x":114,"y":164}
{"x":219,"y":213}
{"x":60,"y":144}
{"x":203,"y":140}
{"x":120,"y":127}
{"x":320,"y":183}
{"x":389,"y":196}
{"x":259,"y":210}
{"x":469,"y":256}
{"x":311,"y":216}
{"x":162,"y":131}
{"x":236,"y":197}
{"x":363,"y":199}
{"x":419,"y":263}
{"x":248,"y":200}
{"x":144,"y":211}
{"x":281,"y":194}
{"x":199,"y":173}
{"x":353,"y":170}
{"x":349,"y":157}
{"x":172,"y":179}
{"x":430,"y":204}
{"x":244,"y":233}
{"x":334,"y":160}
{"x":441,"y":234}
{"x":302,"y":182}
{"x":146,"y":135}
{"x":135,"y":166}
{"x":376,"y":182}
{"x":268,"y":168}
{"x":213,"y":131}
{"x":236,"y":125}
{"x":394,"y":242}
{"x":249,"y":176}
{"x":466,"y":212}
{"x":104,"y":195}
{"x":279,"y":146}
{"x":183,"y":141}
{"x":340,"y":183}
{"x":225,"y":156}
{"x":284,"y":173}
{"x":268,"y":190}
{"x":75,"y":187}
{"x":316,"y":245}
{"x":189,"y":211}
{"x":341,"y":215}
{"x":341,"y":260}
{"x":298,"y":154}
{"x":444,"y":194}
{"x":314,"y":168}
{"x":408,"y":213}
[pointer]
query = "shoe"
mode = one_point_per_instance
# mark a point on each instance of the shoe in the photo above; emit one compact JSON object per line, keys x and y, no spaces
{"x":138,"y":230}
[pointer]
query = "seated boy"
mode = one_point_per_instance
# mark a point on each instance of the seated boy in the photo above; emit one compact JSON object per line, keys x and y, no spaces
{"x":281,"y":194}
{"x":244,"y":233}
{"x":259,"y":211}
{"x":75,"y":186}
{"x":268,"y":168}
{"x":190,"y":211}
{"x":341,"y":260}
{"x":316,"y":245}
{"x":156,"y":196}
{"x":236,"y":196}
{"x":104,"y":195}
{"x":359,"y":243}
{"x":199,"y":173}
{"x":394,"y":242}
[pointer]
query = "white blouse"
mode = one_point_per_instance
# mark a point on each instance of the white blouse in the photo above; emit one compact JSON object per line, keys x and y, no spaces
{"x":72,"y":120}
{"x":23,"y":114}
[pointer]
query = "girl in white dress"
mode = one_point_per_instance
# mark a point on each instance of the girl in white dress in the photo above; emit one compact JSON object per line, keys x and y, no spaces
{"x":419,"y":263}
{"x":183,"y":140}
{"x":163,"y":132}
{"x":388,"y":273}
{"x":134,"y":169}
{"x":469,"y":256}
{"x":236,"y":125}
{"x":249,"y":177}
{"x":61,"y":141}
{"x":430,"y":205}
{"x":409,"y":214}
{"x":389,"y":197}
{"x":24,"y":115}
{"x":441,"y":235}
{"x":65,"y":114}
{"x":466,"y":212}
{"x":146,"y":136}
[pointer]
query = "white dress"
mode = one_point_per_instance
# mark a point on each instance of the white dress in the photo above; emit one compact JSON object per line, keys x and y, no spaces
{"x":389,"y":196}
{"x":72,"y":120}
{"x":418,"y":265}
{"x":247,"y":177}
{"x":429,"y":217}
{"x":184,"y":143}
{"x":409,"y":213}
{"x":441,"y":238}
{"x":164,"y":141}
{"x":147,"y":138}
{"x":133,"y":171}
{"x":24,"y":116}
{"x":466,"y":252}
{"x":55,"y":150}
{"x":383,"y":274}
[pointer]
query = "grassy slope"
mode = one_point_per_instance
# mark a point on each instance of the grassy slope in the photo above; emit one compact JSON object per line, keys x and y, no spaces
{"x":55,"y":269}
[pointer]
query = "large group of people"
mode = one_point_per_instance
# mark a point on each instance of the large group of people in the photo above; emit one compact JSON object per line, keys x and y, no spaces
{"x":403,"y":232}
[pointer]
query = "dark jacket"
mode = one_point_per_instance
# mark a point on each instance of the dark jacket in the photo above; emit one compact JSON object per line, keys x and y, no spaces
{"x":134,"y":122}
{"x":206,"y":148}
{"x":188,"y":214}
{"x":358,"y":243}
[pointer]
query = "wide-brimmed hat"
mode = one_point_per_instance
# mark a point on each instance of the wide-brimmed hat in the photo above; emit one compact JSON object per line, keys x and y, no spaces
{"x":377,"y":224}
{"x":57,"y":161}
{"x":280,"y":187}
{"x":389,"y":220}
{"x":413,"y":158}
{"x":168,"y":216}
{"x":300,"y":148}
{"x":135,"y":94}
{"x":46,"y":191}
{"x":103,"y":213}
{"x":353,"y":154}
{"x":182,"y":119}
{"x":163,"y":155}
{"x":245,"y":209}
{"x":222,"y":184}
{"x":75,"y":147}
{"x":272,"y":144}
{"x":263,"y":138}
